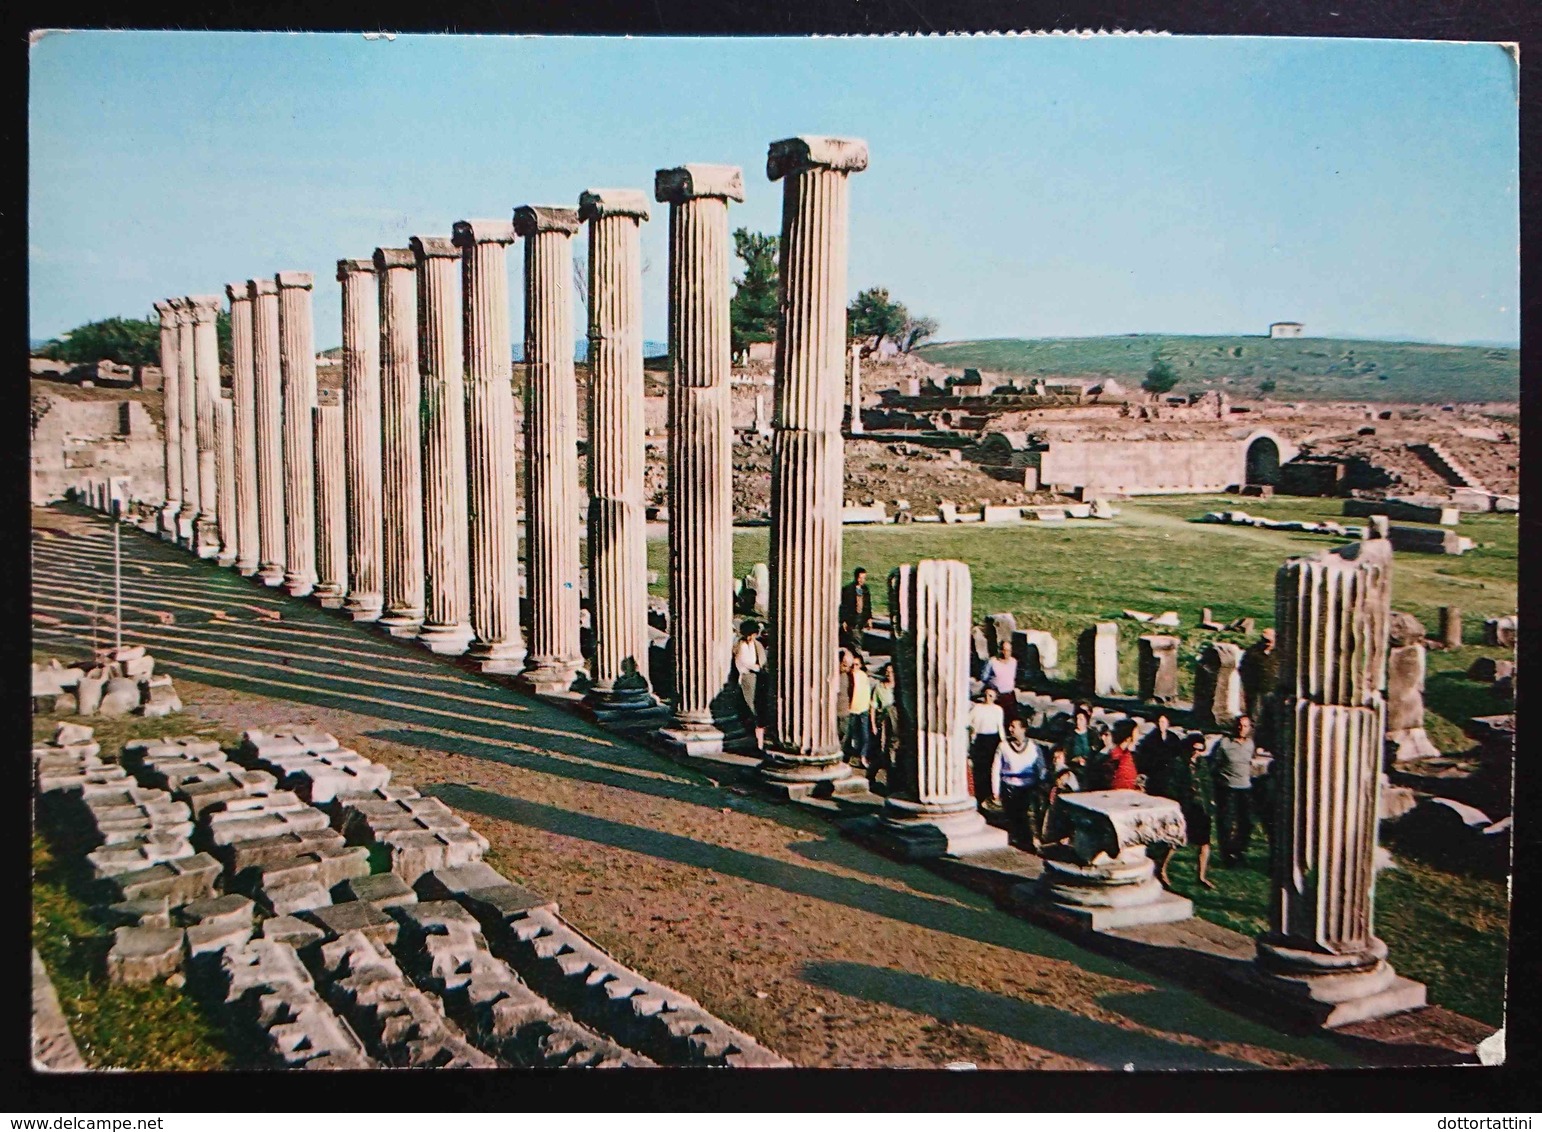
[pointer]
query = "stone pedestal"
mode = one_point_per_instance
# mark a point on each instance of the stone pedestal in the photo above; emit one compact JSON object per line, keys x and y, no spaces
{"x":1158,"y":668}
{"x":441,"y":364}
{"x":1405,"y":690}
{"x":1218,"y":684}
{"x":331,"y":501}
{"x":243,"y":403}
{"x":187,"y":421}
{"x":401,"y":444}
{"x":1451,"y":626}
{"x":618,"y":560}
{"x":225,"y":479}
{"x":171,"y":392}
{"x":361,"y":434}
{"x":1320,"y":959}
{"x":929,"y":810}
{"x":855,"y":412}
{"x":803,"y":750}
{"x":700,"y":455}
{"x":1038,"y":653}
{"x":269,"y":403}
{"x":297,"y":368}
{"x":206,"y":369}
{"x":1103,"y":877}
{"x":552,"y":502}
{"x":1097,"y":660}
{"x":498,"y":645}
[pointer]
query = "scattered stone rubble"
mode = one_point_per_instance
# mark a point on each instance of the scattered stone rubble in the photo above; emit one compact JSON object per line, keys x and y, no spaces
{"x":120,"y":682}
{"x":251,"y":873}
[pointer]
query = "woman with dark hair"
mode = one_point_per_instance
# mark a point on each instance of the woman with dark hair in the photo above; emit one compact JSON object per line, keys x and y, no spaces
{"x":1181,"y":784}
{"x":749,"y":663}
{"x":1116,"y":770}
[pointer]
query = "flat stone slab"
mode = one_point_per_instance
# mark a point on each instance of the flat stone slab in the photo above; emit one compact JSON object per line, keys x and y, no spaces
{"x":143,"y":955}
{"x":216,"y":935}
{"x":383,"y":890}
{"x":355,"y":916}
{"x":179,"y":881}
{"x":228,"y":909}
{"x":291,"y":930}
{"x":53,"y":1046}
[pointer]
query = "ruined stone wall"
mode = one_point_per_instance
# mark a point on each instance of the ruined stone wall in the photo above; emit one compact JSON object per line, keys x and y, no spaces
{"x":1146,"y":467}
{"x":73,"y":441}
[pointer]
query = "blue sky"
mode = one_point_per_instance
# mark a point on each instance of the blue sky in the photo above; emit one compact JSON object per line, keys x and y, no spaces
{"x":1038,"y":186}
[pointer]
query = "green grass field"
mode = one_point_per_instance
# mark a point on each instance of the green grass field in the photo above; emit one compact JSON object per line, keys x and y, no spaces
{"x":1152,"y":558}
{"x":1302,"y":368}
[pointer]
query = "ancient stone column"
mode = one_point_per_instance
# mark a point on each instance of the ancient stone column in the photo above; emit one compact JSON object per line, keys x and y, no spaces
{"x":441,"y":369}
{"x":171,"y":392}
{"x":361,"y":434}
{"x":700,"y":454}
{"x":1218,"y":683}
{"x":551,"y":464}
{"x":856,"y":389}
{"x":1321,"y":952}
{"x":807,"y":464}
{"x":401,"y":444}
{"x":297,"y":366}
{"x":1158,"y":668}
{"x":269,"y":402}
{"x":187,"y":420}
{"x":206,"y":369}
{"x":331,"y":500}
{"x":618,"y":561}
{"x":1097,"y":660}
{"x":1405,"y":689}
{"x":225,"y":479}
{"x":1451,"y":626}
{"x":243,"y":402}
{"x":929,"y":810}
{"x":490,"y":441}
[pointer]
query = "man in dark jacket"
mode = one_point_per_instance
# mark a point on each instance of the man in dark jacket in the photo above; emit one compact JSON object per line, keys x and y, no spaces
{"x":856,"y":610}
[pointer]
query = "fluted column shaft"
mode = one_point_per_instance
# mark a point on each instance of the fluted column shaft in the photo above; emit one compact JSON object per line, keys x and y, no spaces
{"x":618,"y":561}
{"x":807,"y":464}
{"x":401,"y":444}
{"x":187,"y":421}
{"x":171,"y":392}
{"x":930,"y":606}
{"x":361,"y":405}
{"x":331,"y":500}
{"x":441,"y":369}
{"x":297,"y":365}
{"x":700,"y":439}
{"x":855,"y":413}
{"x":551,"y":432}
{"x":206,"y":366}
{"x":244,"y":429}
{"x":490,"y":444}
{"x":268,"y":401}
{"x":225,"y":478}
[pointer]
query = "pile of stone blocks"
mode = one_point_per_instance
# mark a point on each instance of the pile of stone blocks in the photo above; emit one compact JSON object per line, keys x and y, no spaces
{"x":312,"y":763}
{"x":265,"y":981}
{"x":577,"y":974}
{"x":123,"y":682}
{"x":417,"y":834}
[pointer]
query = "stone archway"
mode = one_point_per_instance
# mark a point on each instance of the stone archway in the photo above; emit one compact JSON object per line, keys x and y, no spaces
{"x":1263,"y":462}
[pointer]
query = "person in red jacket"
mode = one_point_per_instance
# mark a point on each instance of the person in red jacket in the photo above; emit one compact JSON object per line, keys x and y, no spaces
{"x":1118,"y":769}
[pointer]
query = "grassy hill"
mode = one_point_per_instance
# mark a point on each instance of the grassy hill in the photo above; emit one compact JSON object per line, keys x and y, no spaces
{"x":1320,"y":369}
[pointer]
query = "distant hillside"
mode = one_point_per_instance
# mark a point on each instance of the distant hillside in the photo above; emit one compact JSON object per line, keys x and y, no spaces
{"x":1323,"y":369}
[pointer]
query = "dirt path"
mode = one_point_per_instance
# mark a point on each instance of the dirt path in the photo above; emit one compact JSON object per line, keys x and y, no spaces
{"x":830,"y":954}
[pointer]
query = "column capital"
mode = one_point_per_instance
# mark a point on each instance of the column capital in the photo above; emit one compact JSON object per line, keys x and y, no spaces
{"x":533,"y":219}
{"x":347,"y":267}
{"x":167,"y":310}
{"x":688,"y":182}
{"x":255,"y":287}
{"x":394,"y":257}
{"x":205,"y":308}
{"x":465,"y":233}
{"x":795,"y":155}
{"x":295,"y":279}
{"x":433,"y":247}
{"x":596,"y":204}
{"x":237,"y":292}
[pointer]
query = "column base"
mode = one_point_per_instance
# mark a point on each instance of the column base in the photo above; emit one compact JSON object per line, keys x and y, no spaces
{"x":796,"y":777}
{"x":184,"y":529}
{"x":1117,"y":892}
{"x":627,"y":704}
{"x":547,"y":678}
{"x":445,"y":640}
{"x":206,"y":539}
{"x":298,"y":585}
{"x":270,"y":574}
{"x":166,"y":524}
{"x":918,"y":831}
{"x":1412,"y":744}
{"x":498,"y":659}
{"x":1315,"y":989}
{"x":363,"y":607}
{"x":245,"y":569}
{"x":401,"y":623}
{"x":226,"y":560}
{"x":329,"y":595}
{"x":680,"y":742}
